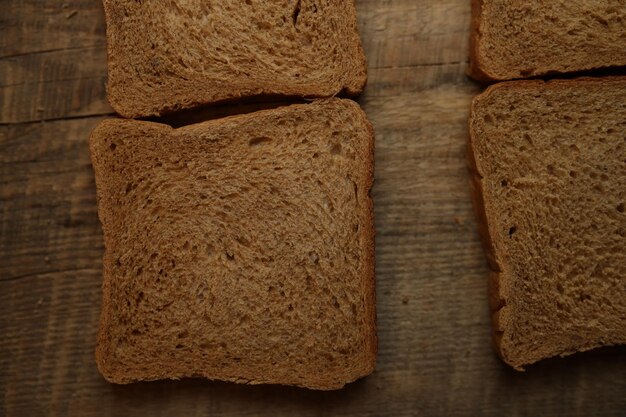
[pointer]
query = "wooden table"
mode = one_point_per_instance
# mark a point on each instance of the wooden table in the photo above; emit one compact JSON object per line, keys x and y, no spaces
{"x":434,"y":355}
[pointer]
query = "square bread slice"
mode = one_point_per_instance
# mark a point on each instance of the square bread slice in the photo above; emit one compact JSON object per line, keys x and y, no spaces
{"x":169,"y":55}
{"x":549,"y":164}
{"x":238,"y":249}
{"x":519,"y":39}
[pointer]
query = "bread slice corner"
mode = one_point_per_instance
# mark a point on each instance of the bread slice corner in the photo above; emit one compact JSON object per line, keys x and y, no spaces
{"x":515,"y":40}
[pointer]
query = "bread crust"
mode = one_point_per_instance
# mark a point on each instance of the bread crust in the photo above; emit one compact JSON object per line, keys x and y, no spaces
{"x":496,"y":300}
{"x":370,"y":290}
{"x":476,"y":69}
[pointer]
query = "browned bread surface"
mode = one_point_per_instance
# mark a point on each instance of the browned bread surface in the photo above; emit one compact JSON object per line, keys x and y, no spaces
{"x":519,"y":39}
{"x":239,"y":249}
{"x":165,"y":55}
{"x":549,"y":179}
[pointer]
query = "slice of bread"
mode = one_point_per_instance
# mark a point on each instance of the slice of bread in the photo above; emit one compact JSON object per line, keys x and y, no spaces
{"x":165,"y":56}
{"x":239,"y":249}
{"x":519,"y":39}
{"x":549,"y":164}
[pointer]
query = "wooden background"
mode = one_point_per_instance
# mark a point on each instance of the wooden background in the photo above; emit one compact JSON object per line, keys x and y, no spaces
{"x":434,"y":355}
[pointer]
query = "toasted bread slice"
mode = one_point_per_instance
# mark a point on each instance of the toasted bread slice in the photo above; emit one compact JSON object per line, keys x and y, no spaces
{"x":519,"y":39}
{"x":549,"y":164}
{"x":165,"y":56}
{"x":239,"y":249}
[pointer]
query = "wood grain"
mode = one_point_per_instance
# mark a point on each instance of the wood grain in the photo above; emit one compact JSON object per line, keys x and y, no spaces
{"x":434,"y":355}
{"x":53,"y":85}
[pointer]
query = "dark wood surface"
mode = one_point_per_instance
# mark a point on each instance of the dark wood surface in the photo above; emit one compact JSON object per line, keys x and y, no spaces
{"x":434,"y":355}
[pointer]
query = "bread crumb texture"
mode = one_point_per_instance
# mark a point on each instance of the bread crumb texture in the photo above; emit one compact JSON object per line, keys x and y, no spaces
{"x":519,"y":39}
{"x":549,"y":163}
{"x":239,"y":249}
{"x":168,"y":55}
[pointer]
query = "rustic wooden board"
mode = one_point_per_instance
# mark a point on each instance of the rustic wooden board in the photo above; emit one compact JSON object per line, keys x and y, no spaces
{"x":434,"y":354}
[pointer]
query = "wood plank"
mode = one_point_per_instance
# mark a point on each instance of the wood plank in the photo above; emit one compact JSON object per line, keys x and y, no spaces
{"x":47,"y":197}
{"x":72,"y":84}
{"x":409,"y":33}
{"x":67,"y":78}
{"x":38,"y":26}
{"x":400,"y":29}
{"x":63,"y":83}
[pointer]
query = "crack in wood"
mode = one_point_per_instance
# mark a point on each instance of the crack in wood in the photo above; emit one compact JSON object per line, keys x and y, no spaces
{"x":56,"y":119}
{"x":43,"y":273}
{"x":428,"y":64}
{"x":47,"y":51}
{"x":103,"y":76}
